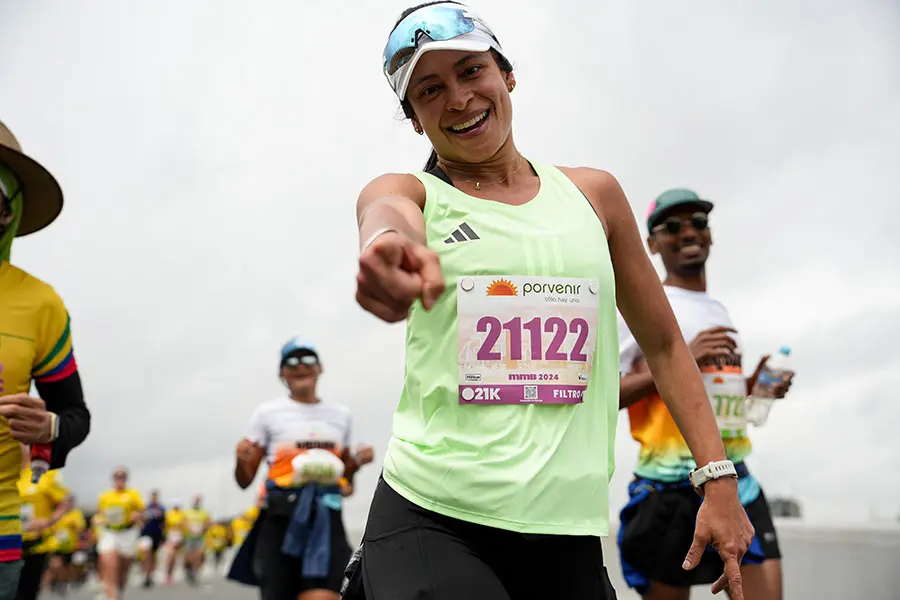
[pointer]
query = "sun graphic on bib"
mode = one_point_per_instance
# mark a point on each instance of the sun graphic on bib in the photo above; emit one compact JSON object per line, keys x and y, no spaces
{"x":502,"y":287}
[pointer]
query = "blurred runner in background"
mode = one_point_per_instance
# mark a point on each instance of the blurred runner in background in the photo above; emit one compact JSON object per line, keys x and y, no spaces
{"x":66,"y":532}
{"x":197,"y":522}
{"x":216,"y":541}
{"x":43,"y":505}
{"x":121,"y":512}
{"x":154,"y":525}
{"x":176,"y":528}
{"x":308,"y":447}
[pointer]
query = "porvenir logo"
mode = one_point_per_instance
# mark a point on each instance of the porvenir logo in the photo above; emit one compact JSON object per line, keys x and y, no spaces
{"x":502,"y":287}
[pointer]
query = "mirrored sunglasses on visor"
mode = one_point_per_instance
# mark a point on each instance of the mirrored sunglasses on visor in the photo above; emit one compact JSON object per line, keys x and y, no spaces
{"x":435,"y":27}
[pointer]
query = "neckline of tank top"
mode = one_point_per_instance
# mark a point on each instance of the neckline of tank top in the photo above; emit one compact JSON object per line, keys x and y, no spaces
{"x":437,"y":171}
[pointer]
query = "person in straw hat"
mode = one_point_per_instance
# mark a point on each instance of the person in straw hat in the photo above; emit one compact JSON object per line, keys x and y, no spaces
{"x":35,"y":348}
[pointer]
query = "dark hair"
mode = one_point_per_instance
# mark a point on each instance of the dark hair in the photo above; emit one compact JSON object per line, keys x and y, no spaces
{"x":408,"y":112}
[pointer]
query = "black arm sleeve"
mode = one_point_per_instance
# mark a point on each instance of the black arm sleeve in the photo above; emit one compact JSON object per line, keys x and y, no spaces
{"x":66,"y":398}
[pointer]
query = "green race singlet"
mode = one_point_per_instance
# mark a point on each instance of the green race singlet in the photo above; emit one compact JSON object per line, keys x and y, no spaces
{"x":511,"y":392}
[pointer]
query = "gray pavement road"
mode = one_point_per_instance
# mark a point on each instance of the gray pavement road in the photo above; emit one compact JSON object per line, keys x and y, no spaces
{"x":216,"y":590}
{"x":823,"y":563}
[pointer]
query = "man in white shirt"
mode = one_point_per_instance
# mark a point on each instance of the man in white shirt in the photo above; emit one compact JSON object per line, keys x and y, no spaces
{"x":657,"y":524}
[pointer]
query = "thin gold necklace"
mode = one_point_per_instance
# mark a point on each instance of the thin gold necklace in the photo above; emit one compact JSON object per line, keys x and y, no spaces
{"x":478,"y":183}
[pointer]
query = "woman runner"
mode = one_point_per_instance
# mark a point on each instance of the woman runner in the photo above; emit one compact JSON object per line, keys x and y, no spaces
{"x":496,"y":477}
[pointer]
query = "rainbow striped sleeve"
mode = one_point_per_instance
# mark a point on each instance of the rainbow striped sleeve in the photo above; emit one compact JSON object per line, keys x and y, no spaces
{"x":10,"y":538}
{"x":59,"y":360}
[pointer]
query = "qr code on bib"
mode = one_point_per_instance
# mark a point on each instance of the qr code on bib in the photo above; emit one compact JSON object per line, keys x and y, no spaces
{"x":531,"y":392}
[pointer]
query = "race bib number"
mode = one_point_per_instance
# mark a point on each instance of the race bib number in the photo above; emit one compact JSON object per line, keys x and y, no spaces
{"x":27,"y":513}
{"x":63,"y":536}
{"x":525,"y":340}
{"x":195,"y":528}
{"x":115,"y":516}
{"x":727,"y":392}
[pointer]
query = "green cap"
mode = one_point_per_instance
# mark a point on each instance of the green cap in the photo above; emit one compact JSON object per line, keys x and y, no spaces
{"x":672,"y":198}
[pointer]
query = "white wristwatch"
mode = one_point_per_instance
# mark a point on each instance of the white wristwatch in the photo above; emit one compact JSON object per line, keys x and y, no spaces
{"x":714,"y":470}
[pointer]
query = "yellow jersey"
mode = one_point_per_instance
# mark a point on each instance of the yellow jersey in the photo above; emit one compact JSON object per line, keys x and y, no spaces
{"x":35,"y":345}
{"x":240,"y":527}
{"x":196,"y":520}
{"x":67,"y":531}
{"x":118,"y":508}
{"x":39,"y":501}
{"x":216,"y":537}
{"x":174,"y":522}
{"x":242,"y":524}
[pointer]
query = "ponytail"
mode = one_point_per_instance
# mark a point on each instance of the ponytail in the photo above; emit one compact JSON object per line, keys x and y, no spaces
{"x":432,"y":162}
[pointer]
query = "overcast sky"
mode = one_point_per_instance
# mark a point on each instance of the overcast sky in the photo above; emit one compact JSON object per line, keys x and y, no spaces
{"x":211,"y":155}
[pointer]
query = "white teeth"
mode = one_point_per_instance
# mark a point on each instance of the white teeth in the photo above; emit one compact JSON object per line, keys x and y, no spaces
{"x":470,"y":122}
{"x":691,"y":248}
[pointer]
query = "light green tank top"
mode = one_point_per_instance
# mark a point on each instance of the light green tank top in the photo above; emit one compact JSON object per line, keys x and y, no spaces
{"x":530,"y":295}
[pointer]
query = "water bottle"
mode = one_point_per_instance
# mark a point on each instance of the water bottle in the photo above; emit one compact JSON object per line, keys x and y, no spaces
{"x":759,"y":403}
{"x":40,"y":460}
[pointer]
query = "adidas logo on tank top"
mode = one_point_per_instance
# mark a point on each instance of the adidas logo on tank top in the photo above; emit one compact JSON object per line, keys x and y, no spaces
{"x":463,"y":233}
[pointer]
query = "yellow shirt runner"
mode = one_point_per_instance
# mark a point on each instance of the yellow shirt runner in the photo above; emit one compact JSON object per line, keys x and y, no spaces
{"x":39,"y":502}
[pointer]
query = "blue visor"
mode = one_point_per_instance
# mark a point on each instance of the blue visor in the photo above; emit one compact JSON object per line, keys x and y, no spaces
{"x":296,"y":344}
{"x":440,"y":22}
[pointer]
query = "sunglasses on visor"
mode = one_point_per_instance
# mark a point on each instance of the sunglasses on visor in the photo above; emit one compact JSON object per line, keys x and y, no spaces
{"x":673,"y":225}
{"x":440,"y":23}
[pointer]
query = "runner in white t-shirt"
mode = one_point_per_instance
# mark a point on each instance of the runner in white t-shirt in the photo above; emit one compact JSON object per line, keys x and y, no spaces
{"x":308,"y":448}
{"x":657,"y":524}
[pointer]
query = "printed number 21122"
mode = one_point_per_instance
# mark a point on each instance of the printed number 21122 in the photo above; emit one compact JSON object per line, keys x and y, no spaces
{"x":555,"y":325}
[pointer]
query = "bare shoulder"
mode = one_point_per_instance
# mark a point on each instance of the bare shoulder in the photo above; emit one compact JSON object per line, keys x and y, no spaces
{"x":402,"y":186}
{"x":602,"y":190}
{"x":593,"y":181}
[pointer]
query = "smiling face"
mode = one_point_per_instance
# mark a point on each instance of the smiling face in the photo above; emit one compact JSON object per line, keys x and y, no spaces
{"x":682,"y":239}
{"x":461,"y":101}
{"x":300,"y":371}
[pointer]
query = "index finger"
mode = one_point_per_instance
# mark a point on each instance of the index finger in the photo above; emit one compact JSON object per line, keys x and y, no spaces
{"x":733,"y":573}
{"x":432,"y":280}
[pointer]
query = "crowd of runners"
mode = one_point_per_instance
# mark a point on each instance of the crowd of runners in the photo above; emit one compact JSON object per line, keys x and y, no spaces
{"x":65,"y":544}
{"x":533,"y":314}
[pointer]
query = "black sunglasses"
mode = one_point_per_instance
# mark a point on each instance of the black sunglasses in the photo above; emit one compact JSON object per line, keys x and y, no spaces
{"x":309,"y":360}
{"x":673,"y":225}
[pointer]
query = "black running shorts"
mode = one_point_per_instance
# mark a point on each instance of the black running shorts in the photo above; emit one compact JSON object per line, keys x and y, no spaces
{"x":657,"y":529}
{"x":410,"y":553}
{"x":281,"y":576}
